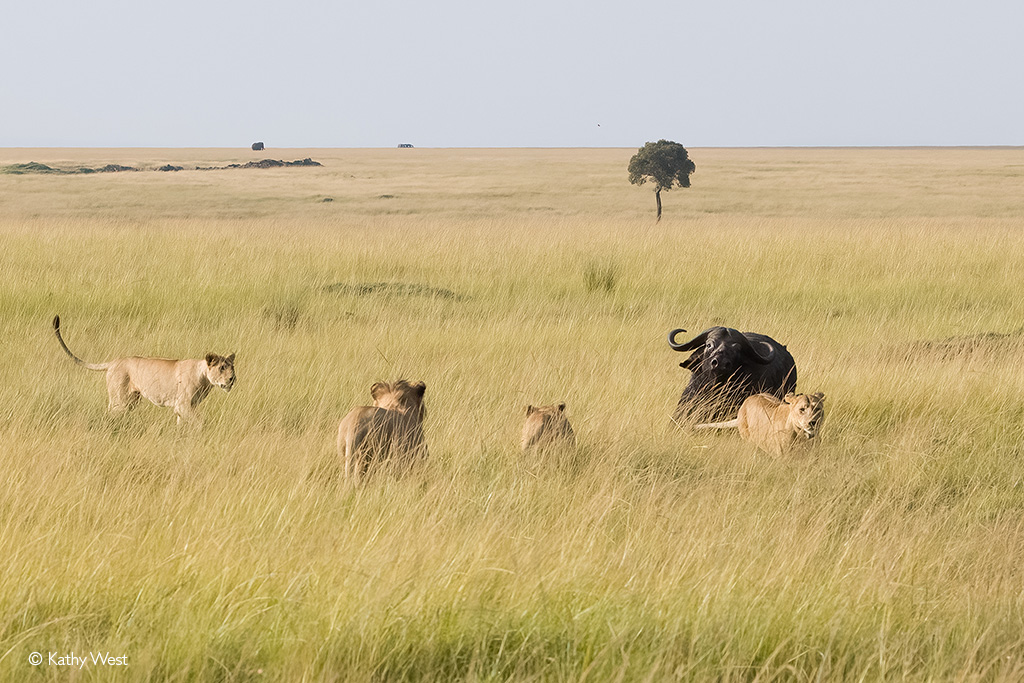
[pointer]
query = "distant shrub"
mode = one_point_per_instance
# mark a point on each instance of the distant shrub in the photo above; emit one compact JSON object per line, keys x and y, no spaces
{"x":285,"y":315}
{"x":30,"y":167}
{"x":600,"y":277}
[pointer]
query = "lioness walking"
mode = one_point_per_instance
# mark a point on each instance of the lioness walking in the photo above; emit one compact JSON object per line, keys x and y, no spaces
{"x":778,"y":426}
{"x":177,"y":384}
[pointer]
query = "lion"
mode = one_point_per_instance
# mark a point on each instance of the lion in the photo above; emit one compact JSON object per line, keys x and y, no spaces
{"x":177,"y":384}
{"x":778,"y":426}
{"x":390,"y":429}
{"x":547,"y":426}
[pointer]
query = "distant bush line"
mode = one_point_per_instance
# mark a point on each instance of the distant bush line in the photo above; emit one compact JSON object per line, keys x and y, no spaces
{"x":36,"y":167}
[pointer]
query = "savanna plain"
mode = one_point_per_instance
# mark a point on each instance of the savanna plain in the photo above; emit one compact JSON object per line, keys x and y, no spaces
{"x":894,"y":550}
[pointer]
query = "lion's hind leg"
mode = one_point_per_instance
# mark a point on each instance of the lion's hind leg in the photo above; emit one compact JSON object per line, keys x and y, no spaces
{"x":347,"y":450}
{"x":122,"y":396}
{"x":359,"y":452}
{"x":350,"y":440}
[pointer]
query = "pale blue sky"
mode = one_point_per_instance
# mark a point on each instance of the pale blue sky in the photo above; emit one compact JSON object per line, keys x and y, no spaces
{"x":545,"y":73}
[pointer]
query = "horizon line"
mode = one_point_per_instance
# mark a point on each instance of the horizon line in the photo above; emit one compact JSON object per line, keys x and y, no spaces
{"x":516,"y":147}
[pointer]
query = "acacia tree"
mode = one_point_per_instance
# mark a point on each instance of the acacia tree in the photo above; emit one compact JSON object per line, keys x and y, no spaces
{"x":664,"y":163}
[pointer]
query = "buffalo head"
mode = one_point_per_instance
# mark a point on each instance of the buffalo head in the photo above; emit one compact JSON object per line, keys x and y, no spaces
{"x":727,"y":366}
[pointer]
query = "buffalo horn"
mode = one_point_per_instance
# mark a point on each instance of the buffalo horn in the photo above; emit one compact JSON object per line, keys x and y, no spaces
{"x":690,"y":345}
{"x":762,"y":358}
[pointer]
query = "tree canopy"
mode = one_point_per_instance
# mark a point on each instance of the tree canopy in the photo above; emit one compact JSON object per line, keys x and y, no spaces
{"x":664,"y":163}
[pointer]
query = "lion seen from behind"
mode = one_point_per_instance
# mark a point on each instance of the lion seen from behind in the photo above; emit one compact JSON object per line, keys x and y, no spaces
{"x":546,"y":427}
{"x":391,"y":430}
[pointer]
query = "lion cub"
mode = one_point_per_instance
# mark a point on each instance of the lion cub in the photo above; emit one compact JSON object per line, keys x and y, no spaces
{"x":547,"y":426}
{"x":392,"y":428}
{"x":778,"y":426}
{"x":177,"y":384}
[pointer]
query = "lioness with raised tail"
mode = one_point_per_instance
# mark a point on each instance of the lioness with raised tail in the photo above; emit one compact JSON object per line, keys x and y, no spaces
{"x":778,"y":426}
{"x":177,"y":384}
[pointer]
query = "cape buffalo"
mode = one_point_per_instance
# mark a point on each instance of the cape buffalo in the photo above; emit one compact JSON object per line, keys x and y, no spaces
{"x":257,"y":146}
{"x":728,"y":366}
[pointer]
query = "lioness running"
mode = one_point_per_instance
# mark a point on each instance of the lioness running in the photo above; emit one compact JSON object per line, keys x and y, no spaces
{"x":178,"y":384}
{"x":547,"y":426}
{"x":390,"y":429}
{"x":778,"y":426}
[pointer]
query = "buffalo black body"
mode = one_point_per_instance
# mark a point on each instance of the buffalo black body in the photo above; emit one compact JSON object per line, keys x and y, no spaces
{"x":728,"y":366}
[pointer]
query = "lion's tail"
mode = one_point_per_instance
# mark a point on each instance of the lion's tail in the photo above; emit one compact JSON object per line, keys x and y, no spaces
{"x":90,"y":366}
{"x":719,"y":425}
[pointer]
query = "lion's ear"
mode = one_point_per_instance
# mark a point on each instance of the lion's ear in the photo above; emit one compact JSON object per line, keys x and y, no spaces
{"x":789,"y":397}
{"x":530,"y":410}
{"x":420,"y":388}
{"x":561,"y":407}
{"x":231,"y":358}
{"x":820,"y":396}
{"x":211,"y":359}
{"x":379,"y":389}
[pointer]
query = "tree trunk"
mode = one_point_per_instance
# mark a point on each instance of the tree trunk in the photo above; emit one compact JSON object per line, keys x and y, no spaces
{"x":657,"y":196}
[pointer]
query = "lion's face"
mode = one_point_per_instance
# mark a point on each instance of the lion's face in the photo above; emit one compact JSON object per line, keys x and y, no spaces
{"x":807,"y":413}
{"x":220,"y":370}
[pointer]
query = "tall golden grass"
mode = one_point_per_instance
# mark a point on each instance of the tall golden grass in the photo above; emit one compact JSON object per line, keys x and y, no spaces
{"x":502,"y":278}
